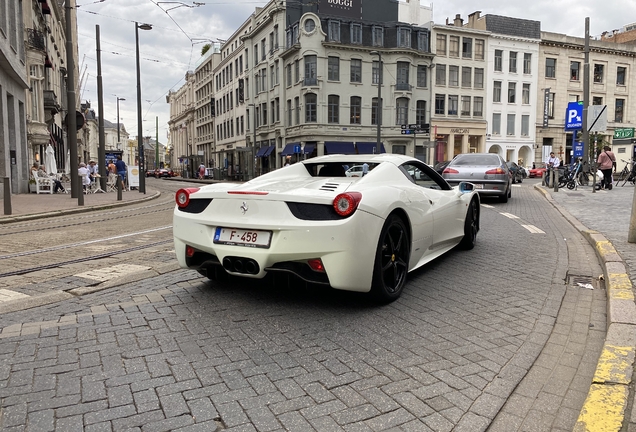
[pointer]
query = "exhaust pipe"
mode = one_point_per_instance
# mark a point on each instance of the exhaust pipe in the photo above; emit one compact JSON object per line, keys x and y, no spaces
{"x":241,"y":265}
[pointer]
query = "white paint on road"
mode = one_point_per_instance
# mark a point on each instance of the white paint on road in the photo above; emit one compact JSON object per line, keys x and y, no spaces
{"x":487,"y":206}
{"x":108,"y":273}
{"x":510,"y":216}
{"x":7,"y":295}
{"x":533,"y":229}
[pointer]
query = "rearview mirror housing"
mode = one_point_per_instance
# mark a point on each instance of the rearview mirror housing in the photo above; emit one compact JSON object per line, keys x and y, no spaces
{"x":466,"y":187}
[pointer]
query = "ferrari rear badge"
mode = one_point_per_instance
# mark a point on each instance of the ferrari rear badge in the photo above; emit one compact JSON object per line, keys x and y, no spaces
{"x":244,"y":207}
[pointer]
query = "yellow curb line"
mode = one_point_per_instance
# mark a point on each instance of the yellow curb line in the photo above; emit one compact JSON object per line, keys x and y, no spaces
{"x":604,"y":409}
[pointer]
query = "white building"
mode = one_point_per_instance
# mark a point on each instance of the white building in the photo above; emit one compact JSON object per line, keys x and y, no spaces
{"x":511,"y":85}
{"x":181,"y":126}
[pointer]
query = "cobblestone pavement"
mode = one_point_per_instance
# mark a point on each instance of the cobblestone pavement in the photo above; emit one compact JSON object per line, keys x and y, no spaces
{"x":500,"y":337}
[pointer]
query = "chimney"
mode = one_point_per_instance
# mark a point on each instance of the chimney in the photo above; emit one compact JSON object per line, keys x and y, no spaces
{"x":459,"y":22}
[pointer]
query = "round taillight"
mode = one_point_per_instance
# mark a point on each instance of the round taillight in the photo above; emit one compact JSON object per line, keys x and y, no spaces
{"x":346,"y":203}
{"x":183,"y":196}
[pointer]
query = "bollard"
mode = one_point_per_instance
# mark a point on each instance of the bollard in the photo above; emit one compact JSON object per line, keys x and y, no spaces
{"x":80,"y":190}
{"x":7,"y":195}
{"x":119,"y":180}
{"x":543,"y":178}
{"x":555,"y":179}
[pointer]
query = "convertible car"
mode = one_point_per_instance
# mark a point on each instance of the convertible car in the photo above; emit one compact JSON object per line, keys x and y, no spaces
{"x":311,"y":220}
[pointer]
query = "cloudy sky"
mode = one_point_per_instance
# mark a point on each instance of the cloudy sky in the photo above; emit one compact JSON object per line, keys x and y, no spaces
{"x":181,"y":28}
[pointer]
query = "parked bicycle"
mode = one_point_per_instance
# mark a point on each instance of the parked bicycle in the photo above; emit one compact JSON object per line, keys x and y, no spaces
{"x":631,"y":176}
{"x":625,"y":172}
{"x":570,"y":178}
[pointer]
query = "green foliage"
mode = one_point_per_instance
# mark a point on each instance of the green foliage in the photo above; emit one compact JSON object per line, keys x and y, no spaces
{"x":205,"y":49}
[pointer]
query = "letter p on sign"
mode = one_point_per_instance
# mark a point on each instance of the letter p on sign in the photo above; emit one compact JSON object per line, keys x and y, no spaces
{"x":571,"y":115}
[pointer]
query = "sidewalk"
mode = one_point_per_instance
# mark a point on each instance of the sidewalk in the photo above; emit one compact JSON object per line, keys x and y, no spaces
{"x":604,"y":218}
{"x":35,"y":206}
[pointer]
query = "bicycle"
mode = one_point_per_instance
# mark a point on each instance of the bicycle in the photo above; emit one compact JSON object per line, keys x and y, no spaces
{"x":627,"y":169}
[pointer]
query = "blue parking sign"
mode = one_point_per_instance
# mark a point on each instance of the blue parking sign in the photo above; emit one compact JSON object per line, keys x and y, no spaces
{"x":574,"y":116}
{"x":297,"y":148}
{"x":578,"y":150}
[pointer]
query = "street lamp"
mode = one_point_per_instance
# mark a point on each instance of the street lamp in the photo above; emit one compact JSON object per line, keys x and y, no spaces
{"x":378,"y":144}
{"x":118,"y":139}
{"x":140,"y":143}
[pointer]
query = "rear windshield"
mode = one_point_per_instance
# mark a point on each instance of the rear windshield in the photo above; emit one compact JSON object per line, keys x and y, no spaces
{"x":338,"y":169}
{"x":479,"y":160}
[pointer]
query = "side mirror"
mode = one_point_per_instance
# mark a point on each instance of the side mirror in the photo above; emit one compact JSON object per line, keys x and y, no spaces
{"x":465,"y":187}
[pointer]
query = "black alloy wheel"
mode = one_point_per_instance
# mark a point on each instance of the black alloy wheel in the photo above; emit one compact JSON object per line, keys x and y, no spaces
{"x":391,"y":260}
{"x":471,"y":226}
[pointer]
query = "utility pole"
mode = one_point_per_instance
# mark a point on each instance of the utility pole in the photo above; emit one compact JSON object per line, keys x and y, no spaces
{"x":77,"y":189}
{"x":586,"y":102}
{"x":156,"y":142}
{"x":101,"y":149}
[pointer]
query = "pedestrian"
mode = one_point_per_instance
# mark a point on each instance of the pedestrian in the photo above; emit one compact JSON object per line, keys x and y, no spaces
{"x":365,"y":169}
{"x":551,"y":164}
{"x":111,"y":167}
{"x":84,"y":173}
{"x":92,"y":170}
{"x":201,"y":171}
{"x":606,"y":162}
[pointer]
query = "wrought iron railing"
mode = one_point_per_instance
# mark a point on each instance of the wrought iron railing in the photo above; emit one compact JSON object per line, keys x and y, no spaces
{"x":35,"y":39}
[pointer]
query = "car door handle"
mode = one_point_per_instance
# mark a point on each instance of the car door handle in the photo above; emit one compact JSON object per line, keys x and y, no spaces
{"x":431,"y":201}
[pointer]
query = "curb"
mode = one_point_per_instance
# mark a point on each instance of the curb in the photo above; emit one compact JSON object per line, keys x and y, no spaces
{"x":605,"y":407}
{"x":29,"y":217}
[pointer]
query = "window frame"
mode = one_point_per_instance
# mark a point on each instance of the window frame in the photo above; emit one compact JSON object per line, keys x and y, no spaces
{"x":355,"y":71}
{"x":355,"y":110}
{"x":333,"y":109}
{"x":333,"y":68}
{"x":550,"y":67}
{"x":498,"y":61}
{"x":311,"y":108}
{"x":401,"y":111}
{"x":453,"y":105}
{"x":467,"y":47}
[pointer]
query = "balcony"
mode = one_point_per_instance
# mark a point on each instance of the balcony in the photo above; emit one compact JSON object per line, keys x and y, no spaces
{"x":35,"y":40}
{"x":403,"y":86}
{"x":50,"y":102}
{"x":310,"y":81}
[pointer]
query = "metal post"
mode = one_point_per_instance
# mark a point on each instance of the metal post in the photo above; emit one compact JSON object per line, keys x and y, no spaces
{"x":254,"y":144}
{"x":586,"y":99}
{"x":118,"y":134}
{"x":140,"y":139}
{"x":7,"y":195}
{"x":119,"y":187}
{"x":77,"y":190}
{"x":80,"y":192}
{"x":101,"y":149}
{"x":157,"y":142}
{"x":555,"y":179}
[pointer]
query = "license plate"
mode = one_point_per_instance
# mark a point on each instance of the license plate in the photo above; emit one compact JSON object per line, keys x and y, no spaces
{"x":242,"y":237}
{"x":478,"y":186}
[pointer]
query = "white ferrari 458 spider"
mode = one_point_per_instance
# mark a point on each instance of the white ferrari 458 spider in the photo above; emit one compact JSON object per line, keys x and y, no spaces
{"x":311,"y":220}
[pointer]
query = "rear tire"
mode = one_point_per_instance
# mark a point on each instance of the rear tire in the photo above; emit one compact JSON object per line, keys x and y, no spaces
{"x":471,"y":226}
{"x":391,"y":261}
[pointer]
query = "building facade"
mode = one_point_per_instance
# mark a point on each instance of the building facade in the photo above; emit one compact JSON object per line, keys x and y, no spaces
{"x":181,"y":126}
{"x":14,"y":159}
{"x":458,"y":112}
{"x":561,"y":67}
{"x":204,"y":101}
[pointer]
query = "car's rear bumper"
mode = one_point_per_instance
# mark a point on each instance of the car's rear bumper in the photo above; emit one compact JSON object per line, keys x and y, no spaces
{"x":346,"y":247}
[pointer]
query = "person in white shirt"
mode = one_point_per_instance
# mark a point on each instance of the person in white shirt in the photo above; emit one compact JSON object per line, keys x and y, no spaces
{"x":551,"y":163}
{"x":84,"y":173}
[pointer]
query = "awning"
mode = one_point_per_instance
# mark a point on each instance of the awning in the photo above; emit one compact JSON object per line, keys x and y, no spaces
{"x":309,"y":148}
{"x":261,"y":151}
{"x":288,"y":150}
{"x":368,"y":147}
{"x":269,"y":151}
{"x":337,"y":147}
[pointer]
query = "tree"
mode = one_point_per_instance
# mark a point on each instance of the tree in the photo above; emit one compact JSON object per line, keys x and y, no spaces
{"x":205,"y":49}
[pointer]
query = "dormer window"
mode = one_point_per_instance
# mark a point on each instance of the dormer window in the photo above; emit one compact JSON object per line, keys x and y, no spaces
{"x":404,"y":37}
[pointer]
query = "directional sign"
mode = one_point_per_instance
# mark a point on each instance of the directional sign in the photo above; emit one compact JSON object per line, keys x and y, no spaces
{"x":407,"y":132}
{"x":622,"y":133}
{"x":574,"y":116}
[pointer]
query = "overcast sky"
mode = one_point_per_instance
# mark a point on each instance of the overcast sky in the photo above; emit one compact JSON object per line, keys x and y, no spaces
{"x":181,"y":28}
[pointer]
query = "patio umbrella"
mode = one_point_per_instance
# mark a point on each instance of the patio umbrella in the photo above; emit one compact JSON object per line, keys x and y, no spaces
{"x":50,"y":164}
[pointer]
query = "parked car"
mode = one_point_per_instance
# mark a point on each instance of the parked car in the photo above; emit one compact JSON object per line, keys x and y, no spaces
{"x":537,"y":171}
{"x":312,"y":220}
{"x":354,"y":171}
{"x":163,"y":172}
{"x":487,"y":171}
{"x":150,"y":173}
{"x":517,"y":172}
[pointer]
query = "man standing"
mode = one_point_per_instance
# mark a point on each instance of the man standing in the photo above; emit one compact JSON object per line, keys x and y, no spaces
{"x":551,"y":164}
{"x":365,"y":169}
{"x":606,"y":162}
{"x":120,"y":165}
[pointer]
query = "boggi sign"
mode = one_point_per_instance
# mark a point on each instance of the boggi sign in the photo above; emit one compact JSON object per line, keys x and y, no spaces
{"x":344,"y":8}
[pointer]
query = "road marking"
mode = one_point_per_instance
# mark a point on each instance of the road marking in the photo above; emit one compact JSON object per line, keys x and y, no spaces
{"x":6,"y":295}
{"x":533,"y":229}
{"x":510,"y":215}
{"x":487,"y":206}
{"x":108,"y":273}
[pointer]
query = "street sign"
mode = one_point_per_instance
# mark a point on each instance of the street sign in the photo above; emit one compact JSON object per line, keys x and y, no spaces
{"x":622,"y":133}
{"x":407,"y":132}
{"x":597,"y":118}
{"x":297,"y":148}
{"x":578,"y":149}
{"x":574,"y":116}
{"x":413,"y":129}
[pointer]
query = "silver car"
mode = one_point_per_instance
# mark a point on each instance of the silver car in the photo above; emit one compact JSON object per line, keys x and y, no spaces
{"x":487,"y":171}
